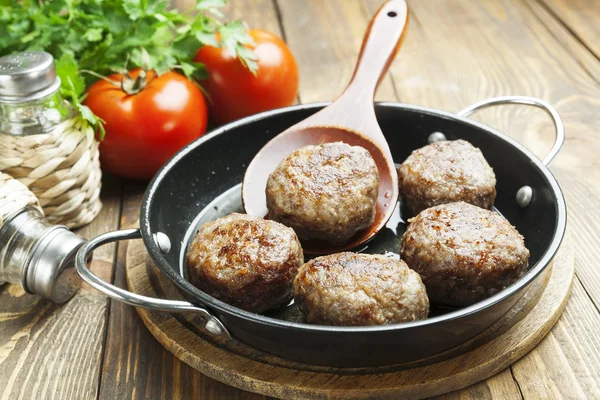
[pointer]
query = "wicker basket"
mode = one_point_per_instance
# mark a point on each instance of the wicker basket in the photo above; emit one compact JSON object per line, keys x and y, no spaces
{"x":61,"y":169}
{"x":14,"y":196}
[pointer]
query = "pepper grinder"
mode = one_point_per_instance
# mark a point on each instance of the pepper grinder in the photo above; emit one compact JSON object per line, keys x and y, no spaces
{"x":35,"y":254}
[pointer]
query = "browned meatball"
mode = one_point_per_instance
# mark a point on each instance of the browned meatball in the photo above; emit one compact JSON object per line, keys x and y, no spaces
{"x":359,"y":289}
{"x":245,"y":261}
{"x":445,"y":172}
{"x":326,"y":192}
{"x":463,"y":253}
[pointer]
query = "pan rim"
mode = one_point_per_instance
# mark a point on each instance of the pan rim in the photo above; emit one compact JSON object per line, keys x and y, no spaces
{"x":213,"y":303}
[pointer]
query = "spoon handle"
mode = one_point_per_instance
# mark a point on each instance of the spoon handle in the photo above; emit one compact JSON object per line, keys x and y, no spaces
{"x":380,"y":45}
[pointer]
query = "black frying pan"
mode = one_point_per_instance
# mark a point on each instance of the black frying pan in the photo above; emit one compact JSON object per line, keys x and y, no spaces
{"x":202,"y":181}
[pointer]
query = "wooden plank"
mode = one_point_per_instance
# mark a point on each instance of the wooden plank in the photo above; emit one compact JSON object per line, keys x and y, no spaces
{"x":567,"y":362}
{"x":581,"y":17}
{"x":50,"y":351}
{"x":510,"y":51}
{"x":255,"y":13}
{"x":325,"y":37}
{"x":261,"y":14}
{"x":500,"y":386}
{"x":584,"y":214}
{"x":135,"y":365}
{"x":569,"y":25}
{"x":309,"y":27}
{"x":460,"y":52}
{"x":269,"y":374}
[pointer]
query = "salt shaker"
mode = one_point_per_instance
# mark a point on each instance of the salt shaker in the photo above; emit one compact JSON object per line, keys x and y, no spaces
{"x":35,"y":254}
{"x":44,"y":143}
{"x":49,"y":178}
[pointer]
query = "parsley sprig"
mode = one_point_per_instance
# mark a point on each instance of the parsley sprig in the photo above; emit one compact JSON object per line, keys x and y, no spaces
{"x":103,"y":35}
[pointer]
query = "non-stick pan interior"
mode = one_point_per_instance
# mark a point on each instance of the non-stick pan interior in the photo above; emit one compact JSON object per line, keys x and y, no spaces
{"x":215,"y":164}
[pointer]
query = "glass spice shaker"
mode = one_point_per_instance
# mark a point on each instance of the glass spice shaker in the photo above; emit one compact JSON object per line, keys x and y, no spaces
{"x":30,"y":100}
{"x":44,"y":143}
{"x":35,"y":254}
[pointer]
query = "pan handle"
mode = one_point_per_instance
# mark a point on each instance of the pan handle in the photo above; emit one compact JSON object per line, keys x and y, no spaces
{"x":211,"y":323}
{"x":531,"y":101}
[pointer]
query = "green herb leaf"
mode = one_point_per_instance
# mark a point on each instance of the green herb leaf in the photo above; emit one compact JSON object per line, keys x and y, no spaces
{"x":93,"y":35}
{"x":157,"y":6}
{"x":208,"y":38}
{"x":208,"y":4}
{"x":67,"y":70}
{"x":188,"y":69}
{"x":133,"y":8}
{"x":101,"y":35}
{"x":30,"y":36}
{"x":96,"y":122}
{"x":71,"y":92}
{"x":236,"y":40}
{"x":186,"y":45}
{"x":248,"y":58}
{"x":211,"y":6}
{"x":118,"y":22}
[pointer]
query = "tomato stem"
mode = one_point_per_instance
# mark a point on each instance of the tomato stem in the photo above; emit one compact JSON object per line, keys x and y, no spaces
{"x":87,"y":71}
{"x":128,"y":84}
{"x":133,"y":86}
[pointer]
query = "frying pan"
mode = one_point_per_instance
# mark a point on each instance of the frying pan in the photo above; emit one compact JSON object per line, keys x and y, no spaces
{"x":202,"y":182}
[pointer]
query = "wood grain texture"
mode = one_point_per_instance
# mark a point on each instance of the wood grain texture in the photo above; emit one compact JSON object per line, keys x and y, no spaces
{"x":492,"y":48}
{"x":255,"y":13}
{"x":49,"y":351}
{"x":581,"y":17}
{"x":262,"y":14}
{"x":325,"y":37}
{"x":567,"y":363}
{"x":315,"y":49}
{"x":351,"y":119}
{"x":572,"y":36}
{"x":456,"y":52}
{"x":290,"y":381}
{"x":499,"y":386}
{"x":135,"y":365}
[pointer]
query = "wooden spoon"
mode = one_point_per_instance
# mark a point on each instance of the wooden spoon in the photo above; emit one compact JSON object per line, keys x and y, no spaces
{"x":350,"y":119}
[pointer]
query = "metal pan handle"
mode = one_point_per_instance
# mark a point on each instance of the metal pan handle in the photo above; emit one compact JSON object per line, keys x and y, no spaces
{"x":530,"y":101}
{"x":211,"y":323}
{"x":525,"y":193}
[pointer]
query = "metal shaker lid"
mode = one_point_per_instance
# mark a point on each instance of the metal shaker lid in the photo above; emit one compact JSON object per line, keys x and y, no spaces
{"x":27,"y":76}
{"x":51,"y":273}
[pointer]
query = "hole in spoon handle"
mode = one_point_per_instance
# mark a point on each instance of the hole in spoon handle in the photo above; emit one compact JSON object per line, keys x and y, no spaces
{"x":381,"y":43}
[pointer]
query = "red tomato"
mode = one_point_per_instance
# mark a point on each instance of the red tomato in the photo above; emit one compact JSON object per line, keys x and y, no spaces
{"x":234,"y":92}
{"x":145,"y":129}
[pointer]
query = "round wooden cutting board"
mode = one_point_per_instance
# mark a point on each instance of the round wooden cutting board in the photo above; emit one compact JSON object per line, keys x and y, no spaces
{"x":238,"y":365}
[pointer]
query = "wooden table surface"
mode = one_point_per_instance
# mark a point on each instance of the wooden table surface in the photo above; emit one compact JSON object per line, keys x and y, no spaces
{"x":456,"y":52}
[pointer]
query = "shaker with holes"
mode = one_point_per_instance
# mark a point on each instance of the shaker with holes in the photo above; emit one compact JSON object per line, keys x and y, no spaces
{"x":34,"y":253}
{"x":44,"y":143}
{"x":49,"y":178}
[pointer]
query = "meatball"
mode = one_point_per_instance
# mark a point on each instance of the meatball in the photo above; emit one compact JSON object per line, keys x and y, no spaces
{"x":327,"y":192}
{"x":359,"y":289}
{"x":463,"y":253}
{"x":445,"y":172}
{"x":245,"y":261}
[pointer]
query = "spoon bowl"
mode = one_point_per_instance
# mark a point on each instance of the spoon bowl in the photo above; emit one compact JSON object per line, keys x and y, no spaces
{"x":349,"y":119}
